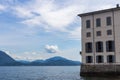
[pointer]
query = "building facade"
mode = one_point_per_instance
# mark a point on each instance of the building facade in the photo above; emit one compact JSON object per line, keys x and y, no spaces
{"x":101,"y":37}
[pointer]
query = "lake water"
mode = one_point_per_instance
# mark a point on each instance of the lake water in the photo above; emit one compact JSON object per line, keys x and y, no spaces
{"x":45,"y":73}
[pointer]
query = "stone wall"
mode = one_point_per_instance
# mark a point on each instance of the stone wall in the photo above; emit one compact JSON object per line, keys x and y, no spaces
{"x":100,"y":70}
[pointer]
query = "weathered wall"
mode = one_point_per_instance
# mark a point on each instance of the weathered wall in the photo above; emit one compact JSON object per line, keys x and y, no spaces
{"x":100,"y":70}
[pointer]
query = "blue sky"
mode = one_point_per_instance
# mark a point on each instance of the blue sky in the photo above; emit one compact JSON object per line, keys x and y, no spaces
{"x":39,"y":29}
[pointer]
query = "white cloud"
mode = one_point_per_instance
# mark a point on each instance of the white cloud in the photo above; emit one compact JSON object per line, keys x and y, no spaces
{"x":36,"y":21}
{"x":60,"y":18}
{"x":56,"y":20}
{"x":14,"y":56}
{"x":52,"y":16}
{"x":51,"y":48}
{"x":76,"y":33}
{"x":30,"y":56}
{"x":22,"y":12}
{"x":30,"y":53}
{"x":105,"y":7}
{"x":2,"y":7}
{"x":7,"y":52}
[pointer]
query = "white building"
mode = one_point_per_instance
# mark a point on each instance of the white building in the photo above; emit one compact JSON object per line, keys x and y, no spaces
{"x":101,"y":37}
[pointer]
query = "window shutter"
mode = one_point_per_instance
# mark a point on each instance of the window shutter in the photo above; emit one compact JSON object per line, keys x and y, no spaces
{"x":96,"y":46}
{"x":113,"y":45}
{"x":91,"y":59}
{"x":101,"y":58}
{"x":86,"y":47}
{"x":86,"y":59}
{"x":107,"y":58}
{"x":97,"y":59}
{"x":101,"y":46}
{"x":88,"y":24}
{"x":107,"y":48}
{"x":108,"y":21}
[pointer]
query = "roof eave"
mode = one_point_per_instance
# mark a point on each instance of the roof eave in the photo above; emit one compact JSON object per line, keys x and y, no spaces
{"x":98,"y":12}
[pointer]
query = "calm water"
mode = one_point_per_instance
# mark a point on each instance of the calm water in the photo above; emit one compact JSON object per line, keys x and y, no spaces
{"x":44,"y":73}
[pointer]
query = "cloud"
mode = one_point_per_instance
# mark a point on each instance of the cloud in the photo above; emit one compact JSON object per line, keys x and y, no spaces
{"x":75,"y":34}
{"x":22,"y":12}
{"x":2,"y":7}
{"x":51,"y":16}
{"x":30,"y":56}
{"x":60,"y":18}
{"x":14,"y":56}
{"x":51,"y":48}
{"x":56,"y":20}
{"x":7,"y":52}
{"x":30,"y":53}
{"x":56,"y":16}
{"x":35,"y":21}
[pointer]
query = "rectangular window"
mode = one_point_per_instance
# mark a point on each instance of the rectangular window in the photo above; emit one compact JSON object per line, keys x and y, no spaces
{"x":88,"y":34}
{"x":88,"y":24}
{"x":89,"y":59}
{"x":99,"y":46}
{"x":99,"y":59}
{"x":98,"y":33}
{"x":98,"y":22}
{"x":110,"y":46}
{"x":109,"y":32}
{"x":88,"y":47}
{"x":110,"y":58}
{"x":108,"y":21}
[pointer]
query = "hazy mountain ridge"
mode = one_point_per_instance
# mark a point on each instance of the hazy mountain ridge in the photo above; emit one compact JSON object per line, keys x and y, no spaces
{"x":56,"y":61}
{"x":6,"y":60}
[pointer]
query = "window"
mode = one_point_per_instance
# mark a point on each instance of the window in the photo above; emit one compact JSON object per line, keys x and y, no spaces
{"x":110,"y":46}
{"x":109,"y":32}
{"x":89,"y":59}
{"x":99,"y":59}
{"x":88,"y":24}
{"x":88,"y":34}
{"x":98,"y":33}
{"x":88,"y":47}
{"x":99,"y":46}
{"x":108,"y":21}
{"x":98,"y":22}
{"x":110,"y":58}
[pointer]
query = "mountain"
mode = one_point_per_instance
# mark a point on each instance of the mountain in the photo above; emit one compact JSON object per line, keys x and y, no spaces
{"x":23,"y":61}
{"x":55,"y":61}
{"x":6,"y":59}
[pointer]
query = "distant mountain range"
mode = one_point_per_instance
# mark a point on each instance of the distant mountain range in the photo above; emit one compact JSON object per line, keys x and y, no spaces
{"x":6,"y":60}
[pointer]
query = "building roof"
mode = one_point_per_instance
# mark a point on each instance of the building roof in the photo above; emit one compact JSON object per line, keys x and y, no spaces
{"x":100,"y":11}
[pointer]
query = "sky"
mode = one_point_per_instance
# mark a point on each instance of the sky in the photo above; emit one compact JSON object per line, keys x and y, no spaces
{"x":40,"y":29}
